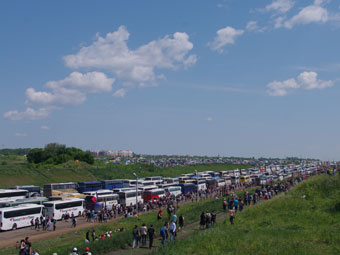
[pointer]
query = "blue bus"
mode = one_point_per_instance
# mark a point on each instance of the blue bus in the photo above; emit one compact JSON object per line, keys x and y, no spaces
{"x":90,"y":186}
{"x":112,"y":184}
{"x":188,"y":188}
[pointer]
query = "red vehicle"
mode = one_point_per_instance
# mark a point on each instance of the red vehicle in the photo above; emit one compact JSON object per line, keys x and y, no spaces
{"x":154,"y":194}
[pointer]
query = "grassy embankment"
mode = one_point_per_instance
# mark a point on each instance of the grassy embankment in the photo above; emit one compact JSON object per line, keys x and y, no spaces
{"x":14,"y":170}
{"x":64,"y":243}
{"x":304,"y":221}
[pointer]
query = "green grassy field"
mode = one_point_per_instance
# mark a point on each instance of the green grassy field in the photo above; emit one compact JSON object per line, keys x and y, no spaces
{"x":304,"y":221}
{"x":14,"y":170}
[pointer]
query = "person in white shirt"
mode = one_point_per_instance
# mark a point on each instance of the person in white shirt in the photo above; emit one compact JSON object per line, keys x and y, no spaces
{"x":35,"y":252}
{"x":75,"y":250}
{"x":173,"y":231}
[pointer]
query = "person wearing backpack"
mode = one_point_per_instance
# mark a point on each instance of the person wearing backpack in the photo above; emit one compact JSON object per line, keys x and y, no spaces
{"x":136,"y":237}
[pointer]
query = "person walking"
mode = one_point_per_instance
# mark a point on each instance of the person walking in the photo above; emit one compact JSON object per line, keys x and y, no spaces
{"x":143,"y":233}
{"x":172,"y":231}
{"x":164,"y":233}
{"x":213,"y":218}
{"x":151,"y":234}
{"x":181,"y":222}
{"x":93,"y":235}
{"x":36,"y":225}
{"x":87,"y":236}
{"x":48,"y":224}
{"x":224,"y":205}
{"x":135,"y":237}
{"x":202,"y":221}
{"x":74,"y":221}
{"x":54,"y":224}
{"x":159,"y":215}
{"x":32,"y":224}
{"x":28,"y":246}
{"x":231,"y":216}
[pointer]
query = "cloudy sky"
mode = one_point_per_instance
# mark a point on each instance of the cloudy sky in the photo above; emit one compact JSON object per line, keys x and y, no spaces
{"x":227,"y":77}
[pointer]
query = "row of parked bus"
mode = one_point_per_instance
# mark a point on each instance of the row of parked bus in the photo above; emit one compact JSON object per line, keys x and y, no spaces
{"x":22,"y":203}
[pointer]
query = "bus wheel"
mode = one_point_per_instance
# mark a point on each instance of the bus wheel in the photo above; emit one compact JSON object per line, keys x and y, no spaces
{"x":63,"y":217}
{"x":14,"y":226}
{"x":79,"y":214}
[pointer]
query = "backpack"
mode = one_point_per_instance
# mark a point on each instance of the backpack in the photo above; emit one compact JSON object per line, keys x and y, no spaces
{"x":162,"y":232}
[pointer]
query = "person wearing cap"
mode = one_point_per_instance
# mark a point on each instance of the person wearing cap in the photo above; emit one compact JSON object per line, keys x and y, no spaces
{"x":87,"y":251}
{"x":74,"y":251}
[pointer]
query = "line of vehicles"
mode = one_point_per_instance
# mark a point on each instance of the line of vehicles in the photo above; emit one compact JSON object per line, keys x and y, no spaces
{"x":20,"y":204}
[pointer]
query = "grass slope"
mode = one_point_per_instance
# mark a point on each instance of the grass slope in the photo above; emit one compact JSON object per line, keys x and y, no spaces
{"x":14,"y":170}
{"x":304,"y":221}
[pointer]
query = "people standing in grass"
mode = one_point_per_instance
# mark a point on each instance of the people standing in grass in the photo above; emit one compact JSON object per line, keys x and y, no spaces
{"x":159,"y":215}
{"x":135,"y":237}
{"x":87,"y":251}
{"x":181,"y":222}
{"x":35,"y":252}
{"x":213,"y":218}
{"x":207,"y":219}
{"x":173,"y":231}
{"x":93,"y":235}
{"x":151,"y":234}
{"x":75,"y":251}
{"x":202,"y":220}
{"x":231,"y":215}
{"x":143,"y":232}
{"x":164,"y":233}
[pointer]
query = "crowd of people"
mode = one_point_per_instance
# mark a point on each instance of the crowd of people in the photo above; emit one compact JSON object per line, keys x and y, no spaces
{"x":172,"y":224}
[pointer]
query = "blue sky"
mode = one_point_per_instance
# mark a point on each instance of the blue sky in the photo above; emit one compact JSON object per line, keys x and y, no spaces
{"x":227,"y":77}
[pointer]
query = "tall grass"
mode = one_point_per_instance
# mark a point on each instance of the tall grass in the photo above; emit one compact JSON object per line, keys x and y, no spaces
{"x":304,"y":221}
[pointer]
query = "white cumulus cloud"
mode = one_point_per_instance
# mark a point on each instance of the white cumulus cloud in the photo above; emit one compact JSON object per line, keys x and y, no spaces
{"x":134,"y":66}
{"x":305,"y":80}
{"x":72,"y":90}
{"x":29,"y":114}
{"x":224,"y":37}
{"x":310,"y":14}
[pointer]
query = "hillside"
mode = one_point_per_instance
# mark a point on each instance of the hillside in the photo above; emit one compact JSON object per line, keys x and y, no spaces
{"x":304,"y":221}
{"x":14,"y":170}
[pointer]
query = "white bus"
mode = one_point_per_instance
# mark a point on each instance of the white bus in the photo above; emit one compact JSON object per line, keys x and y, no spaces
{"x":60,"y":208}
{"x":13,"y":194}
{"x":19,"y":216}
{"x":201,"y":184}
{"x":99,"y":192}
{"x":129,"y":197}
{"x":100,"y":202}
{"x":220,"y":182}
{"x":173,"y":190}
{"x":117,"y":190}
{"x":131,"y":183}
{"x":144,"y":188}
